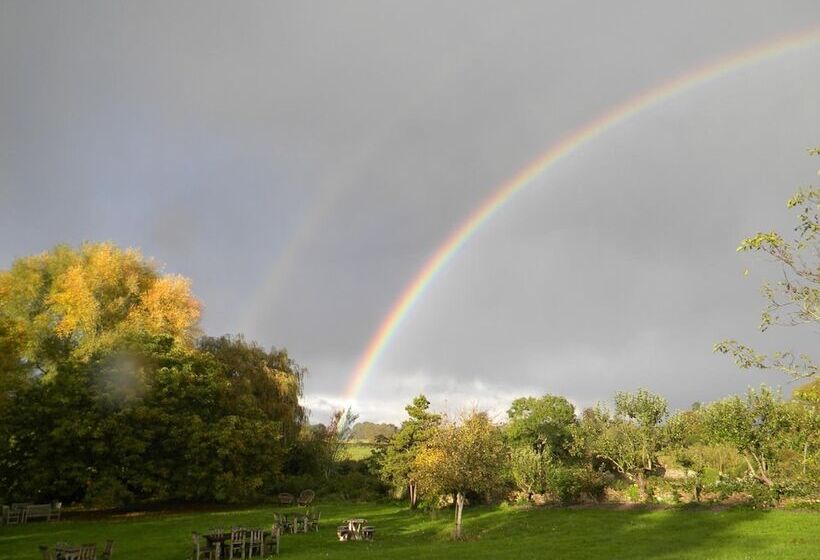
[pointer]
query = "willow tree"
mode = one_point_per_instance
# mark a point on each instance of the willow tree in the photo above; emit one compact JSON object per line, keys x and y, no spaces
{"x":468,"y":456}
{"x":68,"y":304}
{"x":795,"y":298}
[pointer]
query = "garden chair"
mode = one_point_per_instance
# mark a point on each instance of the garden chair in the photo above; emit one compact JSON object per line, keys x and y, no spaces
{"x":108,"y":550}
{"x":312,"y":521}
{"x":272,"y":544}
{"x":200,"y":552}
{"x":256,"y":542}
{"x":306,"y":497}
{"x":12,"y":515}
{"x":88,"y":551}
{"x":46,"y":553}
{"x":73,"y":553}
{"x":236,"y":548}
{"x":283,"y":522}
{"x":285,"y":498}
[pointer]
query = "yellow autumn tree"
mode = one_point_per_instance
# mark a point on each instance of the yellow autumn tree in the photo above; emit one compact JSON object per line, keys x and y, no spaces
{"x":461,"y":457}
{"x":69,"y":303}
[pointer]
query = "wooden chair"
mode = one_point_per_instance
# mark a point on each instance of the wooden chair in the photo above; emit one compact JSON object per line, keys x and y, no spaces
{"x":273,"y":542}
{"x":285,"y":498}
{"x":284,"y":523}
{"x":88,"y":551}
{"x":199,"y":552}
{"x":73,"y":553}
{"x":312,"y":521}
{"x":255,"y":542}
{"x":236,"y":548}
{"x":108,"y":550}
{"x":306,"y":497}
{"x":12,"y":515}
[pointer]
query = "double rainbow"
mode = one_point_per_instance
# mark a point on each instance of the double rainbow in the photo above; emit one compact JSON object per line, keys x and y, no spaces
{"x":493,"y":203}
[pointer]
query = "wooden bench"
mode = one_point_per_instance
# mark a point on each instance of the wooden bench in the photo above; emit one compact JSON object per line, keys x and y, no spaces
{"x":42,"y":511}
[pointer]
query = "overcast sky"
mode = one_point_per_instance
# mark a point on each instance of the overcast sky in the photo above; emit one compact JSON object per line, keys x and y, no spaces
{"x":300,"y":161}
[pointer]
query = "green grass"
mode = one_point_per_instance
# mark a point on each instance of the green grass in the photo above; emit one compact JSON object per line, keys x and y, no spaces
{"x":358,"y":450}
{"x":490,"y":532}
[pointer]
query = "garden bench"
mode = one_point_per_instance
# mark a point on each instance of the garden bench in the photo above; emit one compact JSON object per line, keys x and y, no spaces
{"x":42,"y":511}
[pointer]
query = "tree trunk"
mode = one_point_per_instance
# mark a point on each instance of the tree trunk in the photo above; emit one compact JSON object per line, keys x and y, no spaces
{"x":459,"y":509}
{"x":641,"y":486}
{"x":413,"y":495}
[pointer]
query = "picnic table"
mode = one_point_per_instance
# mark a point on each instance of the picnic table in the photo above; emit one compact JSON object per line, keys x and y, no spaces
{"x":356,"y":530}
{"x":220,"y":539}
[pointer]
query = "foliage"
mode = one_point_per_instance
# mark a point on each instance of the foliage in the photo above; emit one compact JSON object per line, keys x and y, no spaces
{"x":108,"y":399}
{"x":544,"y":424}
{"x":794,"y":300}
{"x":754,"y":426}
{"x":396,"y":459}
{"x":369,"y":431}
{"x":628,"y":440}
{"x":462,"y":457}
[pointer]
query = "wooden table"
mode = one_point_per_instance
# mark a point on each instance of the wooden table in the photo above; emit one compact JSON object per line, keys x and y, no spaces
{"x":355,"y":529}
{"x":218,"y":540}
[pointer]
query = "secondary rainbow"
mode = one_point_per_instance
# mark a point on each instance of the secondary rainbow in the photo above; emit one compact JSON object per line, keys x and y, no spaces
{"x":490,"y":206}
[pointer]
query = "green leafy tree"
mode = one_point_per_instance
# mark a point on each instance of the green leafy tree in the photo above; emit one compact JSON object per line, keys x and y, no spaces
{"x":463,"y":457}
{"x":544,"y":424}
{"x":795,"y":299}
{"x":396,"y":465}
{"x":628,"y":440}
{"x":756,"y":426}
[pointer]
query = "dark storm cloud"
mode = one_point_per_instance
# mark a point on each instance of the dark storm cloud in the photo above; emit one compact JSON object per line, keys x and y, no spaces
{"x":300,"y":162}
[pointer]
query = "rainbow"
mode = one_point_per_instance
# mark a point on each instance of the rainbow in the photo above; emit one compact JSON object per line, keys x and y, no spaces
{"x":501,"y":195}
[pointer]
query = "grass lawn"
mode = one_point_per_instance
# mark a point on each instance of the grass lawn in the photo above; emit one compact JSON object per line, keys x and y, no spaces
{"x":358,"y":450}
{"x":490,"y":532}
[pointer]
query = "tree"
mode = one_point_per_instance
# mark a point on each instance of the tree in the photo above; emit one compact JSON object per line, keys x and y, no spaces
{"x":756,"y":427}
{"x":71,"y":303}
{"x":630,"y":439}
{"x":463,"y":457}
{"x":795,"y":299}
{"x":544,"y":424}
{"x":400,"y":453}
{"x":106,"y":398}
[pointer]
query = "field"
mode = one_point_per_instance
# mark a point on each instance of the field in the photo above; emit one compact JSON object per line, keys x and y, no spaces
{"x":490,"y":532}
{"x":358,"y":450}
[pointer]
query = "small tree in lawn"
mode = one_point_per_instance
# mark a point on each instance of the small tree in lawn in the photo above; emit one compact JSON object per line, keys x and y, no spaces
{"x":462,"y":457}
